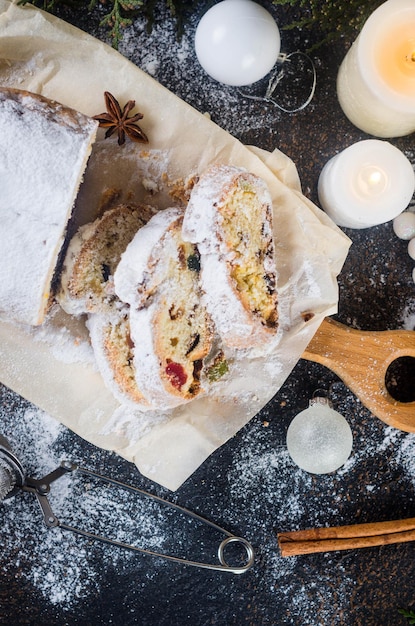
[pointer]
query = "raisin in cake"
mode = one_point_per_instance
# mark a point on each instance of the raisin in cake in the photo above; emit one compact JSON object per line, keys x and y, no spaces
{"x":86,"y":283}
{"x":44,"y":151}
{"x":229,"y":218}
{"x":172,"y":333}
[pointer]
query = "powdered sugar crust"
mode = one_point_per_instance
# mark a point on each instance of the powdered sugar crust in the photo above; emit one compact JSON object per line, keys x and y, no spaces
{"x":201,"y":217}
{"x":202,"y":226}
{"x":229,"y":315}
{"x":38,"y":188}
{"x":134,"y":276}
{"x":97,"y":324}
{"x":146,"y":361}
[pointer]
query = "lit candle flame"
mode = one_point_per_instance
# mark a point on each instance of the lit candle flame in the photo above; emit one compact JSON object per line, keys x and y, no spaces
{"x":375,"y":178}
{"x":395,"y":60}
{"x":371,"y":181}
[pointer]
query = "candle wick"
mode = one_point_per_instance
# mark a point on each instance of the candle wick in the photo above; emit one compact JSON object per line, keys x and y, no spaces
{"x":411,"y":57}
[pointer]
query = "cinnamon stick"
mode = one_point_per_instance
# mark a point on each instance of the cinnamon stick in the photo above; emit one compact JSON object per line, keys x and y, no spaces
{"x":349,"y":537}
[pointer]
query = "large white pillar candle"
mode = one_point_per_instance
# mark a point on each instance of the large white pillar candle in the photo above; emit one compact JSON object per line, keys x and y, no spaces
{"x":369,"y":183}
{"x":376,"y":81}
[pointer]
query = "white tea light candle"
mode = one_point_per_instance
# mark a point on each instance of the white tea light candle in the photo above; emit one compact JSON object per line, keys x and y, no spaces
{"x":376,"y":81}
{"x":369,"y":183}
{"x":237,"y":42}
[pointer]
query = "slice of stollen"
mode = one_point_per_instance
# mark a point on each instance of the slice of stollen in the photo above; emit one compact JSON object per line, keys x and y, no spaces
{"x":172,"y":333}
{"x":86,"y":286}
{"x":229,"y":218}
{"x":86,"y":282}
{"x":113,"y":348}
{"x":44,"y":148}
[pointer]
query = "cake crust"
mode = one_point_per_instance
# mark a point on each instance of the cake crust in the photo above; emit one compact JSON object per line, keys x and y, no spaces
{"x":229,"y":217}
{"x":44,"y":150}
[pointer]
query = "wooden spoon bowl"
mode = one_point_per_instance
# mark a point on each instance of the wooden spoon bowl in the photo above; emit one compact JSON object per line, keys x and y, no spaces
{"x":361,"y":360}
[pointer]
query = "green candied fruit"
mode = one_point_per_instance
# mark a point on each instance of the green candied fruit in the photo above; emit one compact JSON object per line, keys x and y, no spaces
{"x":217,"y":370}
{"x":246,"y":186}
{"x":193,"y":262}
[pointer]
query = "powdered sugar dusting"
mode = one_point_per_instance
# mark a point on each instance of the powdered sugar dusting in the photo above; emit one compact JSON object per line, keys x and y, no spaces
{"x":66,"y":344}
{"x":263,"y":487}
{"x":314,"y":289}
{"x":33,"y":436}
{"x":282,"y":497}
{"x":60,"y":565}
{"x":264,"y":491}
{"x":32,"y":229}
{"x":227,"y":107}
{"x":128,"y":421}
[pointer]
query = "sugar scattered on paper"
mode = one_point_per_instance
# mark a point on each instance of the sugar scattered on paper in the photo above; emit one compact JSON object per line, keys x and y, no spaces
{"x":130,"y":422}
{"x":31,"y":230}
{"x":66,"y":345}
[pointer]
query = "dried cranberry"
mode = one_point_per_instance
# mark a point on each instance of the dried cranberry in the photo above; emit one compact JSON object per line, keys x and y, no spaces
{"x":176,"y":374}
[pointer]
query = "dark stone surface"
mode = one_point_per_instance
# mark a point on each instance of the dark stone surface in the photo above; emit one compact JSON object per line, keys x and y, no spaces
{"x":249,"y":485}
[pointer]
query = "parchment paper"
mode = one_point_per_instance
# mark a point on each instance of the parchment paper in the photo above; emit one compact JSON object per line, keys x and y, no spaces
{"x":52,"y":366}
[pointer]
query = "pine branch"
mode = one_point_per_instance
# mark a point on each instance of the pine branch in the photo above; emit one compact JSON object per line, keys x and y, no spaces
{"x":410,"y":615}
{"x":118,"y":14}
{"x":333,"y":18}
{"x":116,"y":20}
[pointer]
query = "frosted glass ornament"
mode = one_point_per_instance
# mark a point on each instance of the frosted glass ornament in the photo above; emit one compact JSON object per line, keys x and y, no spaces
{"x":319,"y":439}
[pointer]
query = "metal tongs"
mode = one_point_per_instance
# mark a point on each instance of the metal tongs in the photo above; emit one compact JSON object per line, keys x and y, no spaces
{"x":13,"y":479}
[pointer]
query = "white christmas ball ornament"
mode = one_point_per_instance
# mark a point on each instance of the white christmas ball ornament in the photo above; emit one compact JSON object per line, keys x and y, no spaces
{"x":237,"y":42}
{"x":411,"y":248}
{"x":319,"y":439}
{"x":404,"y":225}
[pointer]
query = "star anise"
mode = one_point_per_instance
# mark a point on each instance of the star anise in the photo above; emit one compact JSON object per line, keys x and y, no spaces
{"x":115,"y":119}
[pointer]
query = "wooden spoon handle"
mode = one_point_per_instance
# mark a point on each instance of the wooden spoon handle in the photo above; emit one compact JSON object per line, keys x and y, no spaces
{"x":361,"y":359}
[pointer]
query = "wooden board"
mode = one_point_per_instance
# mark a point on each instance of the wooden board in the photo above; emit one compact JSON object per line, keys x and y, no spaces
{"x":361,"y":359}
